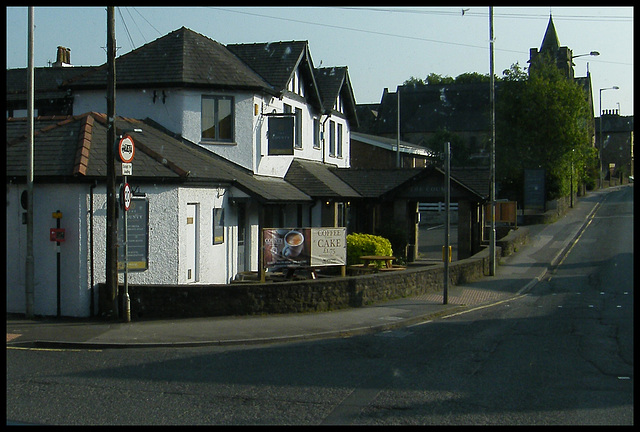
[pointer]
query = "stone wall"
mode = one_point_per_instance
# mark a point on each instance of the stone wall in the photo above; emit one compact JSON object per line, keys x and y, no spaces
{"x":324,"y":294}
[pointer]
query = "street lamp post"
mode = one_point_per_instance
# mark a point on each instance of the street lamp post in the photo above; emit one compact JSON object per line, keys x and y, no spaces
{"x":592,"y":53}
{"x":600,"y":132}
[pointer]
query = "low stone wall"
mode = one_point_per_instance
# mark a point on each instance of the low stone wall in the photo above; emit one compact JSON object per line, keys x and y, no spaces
{"x":325,"y":294}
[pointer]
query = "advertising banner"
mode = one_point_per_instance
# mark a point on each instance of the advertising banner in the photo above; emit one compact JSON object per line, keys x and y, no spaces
{"x":314,"y":247}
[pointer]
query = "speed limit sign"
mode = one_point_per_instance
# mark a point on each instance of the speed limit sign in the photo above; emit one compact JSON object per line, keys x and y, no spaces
{"x":126,"y":196}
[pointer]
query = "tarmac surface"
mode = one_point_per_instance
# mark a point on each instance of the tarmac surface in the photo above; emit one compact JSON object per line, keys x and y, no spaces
{"x":515,"y":276}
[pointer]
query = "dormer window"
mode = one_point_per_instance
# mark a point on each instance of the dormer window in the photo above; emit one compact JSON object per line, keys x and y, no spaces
{"x":339,"y":105}
{"x":296,"y":84}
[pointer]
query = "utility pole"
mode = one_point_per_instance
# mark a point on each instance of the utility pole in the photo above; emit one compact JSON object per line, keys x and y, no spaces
{"x":446,"y":253}
{"x":29,"y":276}
{"x":492,"y":175}
{"x":112,"y":224}
{"x":398,"y":135}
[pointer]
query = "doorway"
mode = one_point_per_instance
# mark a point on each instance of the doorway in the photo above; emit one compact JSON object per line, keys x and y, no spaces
{"x":191,"y":237}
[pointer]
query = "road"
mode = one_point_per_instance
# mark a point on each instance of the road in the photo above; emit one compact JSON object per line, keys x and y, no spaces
{"x":562,"y":354}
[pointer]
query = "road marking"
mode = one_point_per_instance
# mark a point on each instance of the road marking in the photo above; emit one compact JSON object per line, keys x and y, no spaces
{"x":52,"y":349}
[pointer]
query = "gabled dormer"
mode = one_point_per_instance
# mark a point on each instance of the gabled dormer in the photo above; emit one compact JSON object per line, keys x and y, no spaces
{"x":286,"y":66}
{"x":337,"y":93}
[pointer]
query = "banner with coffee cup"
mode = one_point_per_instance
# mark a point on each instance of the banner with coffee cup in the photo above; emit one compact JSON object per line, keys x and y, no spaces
{"x":304,"y":246}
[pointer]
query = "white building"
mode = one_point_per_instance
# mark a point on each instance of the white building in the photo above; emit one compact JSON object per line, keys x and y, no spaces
{"x":206,"y":165}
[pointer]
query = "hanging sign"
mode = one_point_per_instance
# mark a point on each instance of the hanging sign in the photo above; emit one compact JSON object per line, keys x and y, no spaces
{"x":126,"y":149}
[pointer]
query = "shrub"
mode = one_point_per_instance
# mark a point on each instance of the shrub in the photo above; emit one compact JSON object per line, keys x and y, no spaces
{"x":366,"y":244}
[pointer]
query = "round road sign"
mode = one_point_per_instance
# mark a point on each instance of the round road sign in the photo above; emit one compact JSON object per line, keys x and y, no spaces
{"x":126,"y":196}
{"x":126,"y":149}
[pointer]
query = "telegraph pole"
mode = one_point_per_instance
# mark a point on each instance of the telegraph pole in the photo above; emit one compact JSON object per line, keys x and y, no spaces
{"x":29,"y":276}
{"x":398,"y":136}
{"x":492,"y":196}
{"x":446,"y":251}
{"x":112,"y":224}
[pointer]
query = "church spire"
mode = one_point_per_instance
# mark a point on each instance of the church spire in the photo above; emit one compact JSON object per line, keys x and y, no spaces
{"x":550,"y":42}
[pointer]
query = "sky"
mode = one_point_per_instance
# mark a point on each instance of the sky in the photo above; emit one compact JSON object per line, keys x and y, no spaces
{"x":381,"y":46}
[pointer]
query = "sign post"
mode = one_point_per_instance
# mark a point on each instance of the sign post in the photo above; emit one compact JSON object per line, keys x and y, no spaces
{"x":126,"y":151}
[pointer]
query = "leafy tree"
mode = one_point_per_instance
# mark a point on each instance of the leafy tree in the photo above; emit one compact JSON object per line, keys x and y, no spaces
{"x":541,"y":122}
{"x":461,"y":149}
{"x":413,"y":81}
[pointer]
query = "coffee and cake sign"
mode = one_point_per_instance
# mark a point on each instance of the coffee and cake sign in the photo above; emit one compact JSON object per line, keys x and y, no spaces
{"x":304,"y":246}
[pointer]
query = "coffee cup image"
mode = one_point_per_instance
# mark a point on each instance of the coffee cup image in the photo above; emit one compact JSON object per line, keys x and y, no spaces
{"x":294,"y":242}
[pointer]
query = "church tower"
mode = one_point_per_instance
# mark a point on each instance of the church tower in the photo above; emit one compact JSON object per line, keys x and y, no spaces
{"x":551,"y":48}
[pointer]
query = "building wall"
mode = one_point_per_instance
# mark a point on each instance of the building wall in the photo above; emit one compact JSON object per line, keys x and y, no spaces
{"x":74,"y":290}
{"x":181,"y":113}
{"x":168,"y":244}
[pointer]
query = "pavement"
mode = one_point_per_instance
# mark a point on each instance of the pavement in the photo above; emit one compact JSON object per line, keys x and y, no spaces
{"x":515,"y":276}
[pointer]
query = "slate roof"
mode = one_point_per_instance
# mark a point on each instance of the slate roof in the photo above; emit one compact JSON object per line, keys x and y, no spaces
{"x":74,"y":148}
{"x":318,"y":180}
{"x":47,"y":81}
{"x":182,"y":58}
{"x":429,"y":108}
{"x":334,"y":81}
{"x":372,"y":183}
{"x":380,"y":183}
{"x":276,"y":62}
{"x":477,"y":179}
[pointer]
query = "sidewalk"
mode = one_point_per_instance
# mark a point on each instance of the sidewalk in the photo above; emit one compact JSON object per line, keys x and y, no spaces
{"x":515,"y":275}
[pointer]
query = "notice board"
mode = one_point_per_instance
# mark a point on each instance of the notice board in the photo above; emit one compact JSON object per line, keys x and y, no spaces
{"x":534,"y":192}
{"x":137,"y":235}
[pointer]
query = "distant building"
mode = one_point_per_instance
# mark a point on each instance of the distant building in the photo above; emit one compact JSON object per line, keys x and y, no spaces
{"x":616,"y":142}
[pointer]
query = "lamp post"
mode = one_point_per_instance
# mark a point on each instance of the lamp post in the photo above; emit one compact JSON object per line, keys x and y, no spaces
{"x":592,"y":53}
{"x":600,"y":131}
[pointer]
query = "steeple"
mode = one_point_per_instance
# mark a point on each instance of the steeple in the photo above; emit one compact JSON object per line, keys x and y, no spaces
{"x":550,"y":42}
{"x":552,"y":50}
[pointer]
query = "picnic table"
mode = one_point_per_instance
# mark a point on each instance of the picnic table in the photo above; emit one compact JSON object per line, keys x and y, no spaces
{"x":369,"y":259}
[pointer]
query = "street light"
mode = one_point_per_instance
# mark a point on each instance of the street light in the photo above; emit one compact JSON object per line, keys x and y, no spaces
{"x":592,"y":53}
{"x":600,"y":132}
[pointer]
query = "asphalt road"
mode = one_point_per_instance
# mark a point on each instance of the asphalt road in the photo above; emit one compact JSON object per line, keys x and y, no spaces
{"x":560,"y":355}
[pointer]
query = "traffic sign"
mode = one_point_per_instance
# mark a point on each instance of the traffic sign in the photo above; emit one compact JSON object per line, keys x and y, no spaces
{"x":127,"y":169}
{"x":126,"y":149}
{"x":126,"y":196}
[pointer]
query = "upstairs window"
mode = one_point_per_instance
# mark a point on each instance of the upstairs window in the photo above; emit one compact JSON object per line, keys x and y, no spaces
{"x":339,"y":143}
{"x":316,"y":132}
{"x":332,"y":138}
{"x":298,"y":135}
{"x":217,"y":118}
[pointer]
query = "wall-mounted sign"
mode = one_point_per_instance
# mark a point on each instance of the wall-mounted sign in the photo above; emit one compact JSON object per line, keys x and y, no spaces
{"x":281,"y":135}
{"x":56,"y":234}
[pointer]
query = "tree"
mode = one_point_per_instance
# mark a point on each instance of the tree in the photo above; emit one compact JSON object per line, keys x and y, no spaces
{"x":541,"y":122}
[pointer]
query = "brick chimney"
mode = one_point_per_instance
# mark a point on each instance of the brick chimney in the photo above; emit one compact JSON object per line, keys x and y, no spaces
{"x":63,"y":57}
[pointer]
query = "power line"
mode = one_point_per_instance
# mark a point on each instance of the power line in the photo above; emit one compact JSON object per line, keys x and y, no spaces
{"x":360,"y":30}
{"x":403,"y":36}
{"x":133,"y":46}
{"x":458,"y":12}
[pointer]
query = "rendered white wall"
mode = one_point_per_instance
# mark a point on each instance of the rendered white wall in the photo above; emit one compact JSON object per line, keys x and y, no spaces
{"x":167,"y":244}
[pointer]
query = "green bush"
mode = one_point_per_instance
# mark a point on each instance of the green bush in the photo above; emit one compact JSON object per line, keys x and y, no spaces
{"x":366,"y":244}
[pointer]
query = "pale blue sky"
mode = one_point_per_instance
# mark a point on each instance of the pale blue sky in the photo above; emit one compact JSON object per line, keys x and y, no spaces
{"x":382,"y":46}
